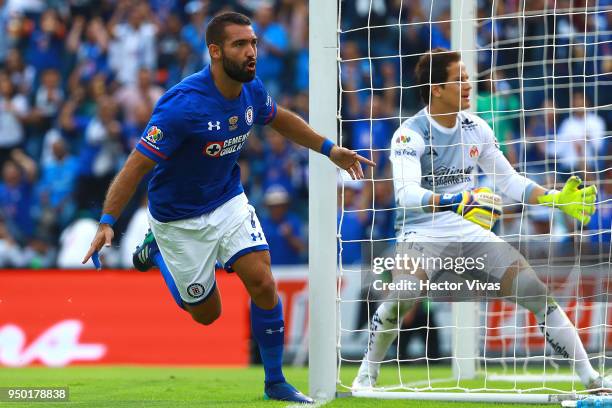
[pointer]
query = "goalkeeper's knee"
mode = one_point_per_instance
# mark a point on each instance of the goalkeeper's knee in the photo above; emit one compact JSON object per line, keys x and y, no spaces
{"x":480,"y":206}
{"x":528,"y":290}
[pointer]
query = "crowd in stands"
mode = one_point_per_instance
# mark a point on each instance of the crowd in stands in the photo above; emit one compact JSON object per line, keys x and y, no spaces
{"x":79,"y":80}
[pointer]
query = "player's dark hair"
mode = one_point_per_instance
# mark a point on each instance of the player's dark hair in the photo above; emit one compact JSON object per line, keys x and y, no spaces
{"x":215,"y":32}
{"x":432,"y":68}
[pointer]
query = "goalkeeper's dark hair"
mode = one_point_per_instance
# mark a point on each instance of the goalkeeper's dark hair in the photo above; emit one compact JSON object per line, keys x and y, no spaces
{"x":215,"y":32}
{"x":432,"y":68}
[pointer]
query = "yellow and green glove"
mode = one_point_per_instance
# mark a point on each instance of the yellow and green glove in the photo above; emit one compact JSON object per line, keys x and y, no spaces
{"x":480,"y":206}
{"x":575,"y":202}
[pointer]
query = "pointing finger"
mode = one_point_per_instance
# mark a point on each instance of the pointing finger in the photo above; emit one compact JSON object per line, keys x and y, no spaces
{"x":366,"y":161}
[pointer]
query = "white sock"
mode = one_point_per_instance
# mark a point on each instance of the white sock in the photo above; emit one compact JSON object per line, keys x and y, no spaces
{"x":563,"y":337}
{"x":385,"y":328}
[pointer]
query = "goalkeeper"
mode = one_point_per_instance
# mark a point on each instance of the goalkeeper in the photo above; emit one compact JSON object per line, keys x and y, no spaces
{"x":433,"y":156}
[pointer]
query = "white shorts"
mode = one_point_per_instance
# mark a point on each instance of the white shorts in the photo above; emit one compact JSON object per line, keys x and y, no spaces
{"x":191,"y":247}
{"x":447,"y":235}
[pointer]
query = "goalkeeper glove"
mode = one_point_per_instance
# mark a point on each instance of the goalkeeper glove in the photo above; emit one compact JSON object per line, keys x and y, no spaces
{"x":480,"y":206}
{"x":575,"y":202}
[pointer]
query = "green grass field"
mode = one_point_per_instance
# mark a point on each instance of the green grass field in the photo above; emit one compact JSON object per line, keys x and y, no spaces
{"x":127,"y":386}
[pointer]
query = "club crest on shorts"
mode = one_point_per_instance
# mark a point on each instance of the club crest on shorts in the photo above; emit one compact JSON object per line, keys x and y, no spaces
{"x":195,"y":290}
{"x":233,"y":123}
{"x":154,"y":134}
{"x":248,"y":115}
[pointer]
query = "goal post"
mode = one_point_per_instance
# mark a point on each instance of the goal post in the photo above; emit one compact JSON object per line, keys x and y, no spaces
{"x":323,"y":85}
{"x":465,"y":314}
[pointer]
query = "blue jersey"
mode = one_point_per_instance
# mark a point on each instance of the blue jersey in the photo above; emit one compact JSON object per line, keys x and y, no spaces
{"x":195,"y":135}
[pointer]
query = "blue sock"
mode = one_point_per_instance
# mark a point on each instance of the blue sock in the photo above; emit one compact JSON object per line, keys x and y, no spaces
{"x":269,"y":332}
{"x":159,"y":261}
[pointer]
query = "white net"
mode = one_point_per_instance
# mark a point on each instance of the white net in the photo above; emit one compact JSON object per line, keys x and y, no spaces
{"x":544,"y":70}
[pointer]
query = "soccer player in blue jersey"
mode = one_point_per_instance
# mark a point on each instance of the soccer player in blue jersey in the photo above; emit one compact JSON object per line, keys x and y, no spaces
{"x":198,"y":212}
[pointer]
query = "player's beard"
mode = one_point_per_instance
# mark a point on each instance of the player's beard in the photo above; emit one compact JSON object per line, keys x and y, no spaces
{"x":237,"y":71}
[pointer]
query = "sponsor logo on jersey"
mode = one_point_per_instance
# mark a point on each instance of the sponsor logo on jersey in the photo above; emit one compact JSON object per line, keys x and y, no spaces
{"x":248,"y":115}
{"x":195,"y":290}
{"x":402,"y":139}
{"x":269,"y":101}
{"x":474,"y":153}
{"x":216,"y":125}
{"x":224,"y":147}
{"x":154,"y":134}
{"x":213,"y":149}
{"x":406,"y":151}
{"x":445,"y":176}
{"x":468,"y":124}
{"x":233,"y":123}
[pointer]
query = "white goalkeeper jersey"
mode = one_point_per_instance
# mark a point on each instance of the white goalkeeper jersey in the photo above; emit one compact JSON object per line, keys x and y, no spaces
{"x":428,"y":158}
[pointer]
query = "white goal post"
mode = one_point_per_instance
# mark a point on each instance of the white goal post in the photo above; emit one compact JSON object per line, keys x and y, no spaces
{"x":323,"y":91}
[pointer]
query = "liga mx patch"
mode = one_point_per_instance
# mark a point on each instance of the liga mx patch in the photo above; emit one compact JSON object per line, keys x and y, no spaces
{"x":154,"y":134}
{"x":195,"y":290}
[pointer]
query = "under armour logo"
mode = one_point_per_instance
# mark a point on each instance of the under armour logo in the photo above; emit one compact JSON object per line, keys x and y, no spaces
{"x":215,"y":126}
{"x":255,"y":237}
{"x":270,"y":331}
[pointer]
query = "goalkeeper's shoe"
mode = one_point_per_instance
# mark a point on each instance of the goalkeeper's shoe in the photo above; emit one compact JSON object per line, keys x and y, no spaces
{"x":143,"y":256}
{"x":575,"y":202}
{"x":480,"y":206}
{"x":600,"y":385}
{"x":367,"y":376}
{"x":283,"y":391}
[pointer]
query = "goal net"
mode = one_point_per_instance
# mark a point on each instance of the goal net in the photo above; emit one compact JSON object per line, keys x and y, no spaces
{"x":540,"y":72}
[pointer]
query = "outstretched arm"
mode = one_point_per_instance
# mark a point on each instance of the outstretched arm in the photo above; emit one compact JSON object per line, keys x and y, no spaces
{"x":118,"y":195}
{"x":297,"y":130}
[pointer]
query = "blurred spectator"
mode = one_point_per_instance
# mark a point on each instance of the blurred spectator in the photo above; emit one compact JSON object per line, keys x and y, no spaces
{"x":11,"y":255}
{"x":47,"y":103}
{"x":183,"y":65}
{"x":499,"y":108}
{"x":21,"y":75}
{"x":91,"y":51}
{"x":16,"y":195}
{"x":49,"y":96}
{"x":46,"y":45}
{"x":168,"y":41}
{"x":383,"y":222}
{"x":279,"y":166}
{"x":13,"y":111}
{"x":142,"y":94}
{"x":56,"y":187}
{"x":133,"y":45}
{"x":102,"y":154}
{"x":194,"y":33}
{"x":352,"y":223}
{"x":4,"y":21}
{"x":580,"y":141}
{"x":371,"y":133}
{"x":282,"y":228}
{"x":540,"y":143}
{"x":38,"y":254}
{"x":272,"y":47}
